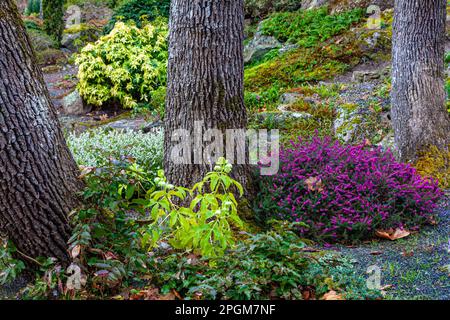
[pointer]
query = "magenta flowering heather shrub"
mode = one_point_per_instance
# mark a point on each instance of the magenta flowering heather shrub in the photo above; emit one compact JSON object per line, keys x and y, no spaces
{"x":345,"y":193}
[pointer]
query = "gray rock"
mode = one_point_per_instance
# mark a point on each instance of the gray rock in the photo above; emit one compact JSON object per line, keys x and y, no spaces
{"x":346,"y":123}
{"x":365,"y":76}
{"x":290,"y":97}
{"x":287,"y":48}
{"x":259,"y":46}
{"x":285,"y":109}
{"x":312,"y":4}
{"x":280,"y":118}
{"x":388,"y":142}
{"x":68,"y":41}
{"x":127,"y":124}
{"x":300,"y":115}
{"x":153,"y":127}
{"x":372,"y":40}
{"x":73,"y":104}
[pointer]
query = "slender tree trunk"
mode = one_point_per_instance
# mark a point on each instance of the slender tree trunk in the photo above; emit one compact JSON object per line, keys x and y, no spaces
{"x":205,"y":81}
{"x":38,"y":176}
{"x":41,"y":9}
{"x":418,"y":94}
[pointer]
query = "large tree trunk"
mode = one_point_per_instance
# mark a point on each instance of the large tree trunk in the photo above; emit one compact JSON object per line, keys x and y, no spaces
{"x":38,"y":176}
{"x":418,"y":94}
{"x":205,"y":80}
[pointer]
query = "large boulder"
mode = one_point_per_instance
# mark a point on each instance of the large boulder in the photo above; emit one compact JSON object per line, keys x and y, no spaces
{"x":259,"y":46}
{"x":73,"y":104}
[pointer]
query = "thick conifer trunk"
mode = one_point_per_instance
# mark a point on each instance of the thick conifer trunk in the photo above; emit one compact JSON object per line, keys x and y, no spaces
{"x":418,"y":94}
{"x":205,"y":79}
{"x":38,"y":176}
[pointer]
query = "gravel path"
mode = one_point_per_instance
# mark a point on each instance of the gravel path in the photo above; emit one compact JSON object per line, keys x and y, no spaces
{"x":60,"y":83}
{"x":415,"y":267}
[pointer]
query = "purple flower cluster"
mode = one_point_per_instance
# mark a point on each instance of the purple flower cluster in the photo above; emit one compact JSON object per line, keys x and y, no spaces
{"x":345,"y":193}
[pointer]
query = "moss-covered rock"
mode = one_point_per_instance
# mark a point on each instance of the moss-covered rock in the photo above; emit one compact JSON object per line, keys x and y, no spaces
{"x":78,"y":35}
{"x":257,"y":47}
{"x":255,"y":9}
{"x":51,"y":56}
{"x":343,"y":5}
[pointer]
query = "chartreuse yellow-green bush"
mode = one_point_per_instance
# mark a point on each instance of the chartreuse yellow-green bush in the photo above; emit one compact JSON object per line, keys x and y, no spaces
{"x":435,"y":163}
{"x":127,"y":66}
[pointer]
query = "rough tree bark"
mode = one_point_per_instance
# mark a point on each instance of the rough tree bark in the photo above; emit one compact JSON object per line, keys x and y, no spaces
{"x":418,"y":94}
{"x":38,"y":176}
{"x":205,"y":78}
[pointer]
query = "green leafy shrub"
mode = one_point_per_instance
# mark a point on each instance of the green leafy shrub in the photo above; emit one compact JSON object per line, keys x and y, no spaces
{"x":95,"y":148}
{"x":307,"y":28}
{"x":9,"y":266}
{"x":110,"y":241}
{"x":139,"y":11}
{"x":127,"y":65}
{"x":204,"y":226}
{"x":269,"y":265}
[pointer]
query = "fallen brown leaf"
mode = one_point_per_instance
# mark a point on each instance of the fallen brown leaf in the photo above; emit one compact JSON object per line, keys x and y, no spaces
{"x":386,"y":287}
{"x":332,"y":295}
{"x":176,"y":294}
{"x":391,"y":234}
{"x":76,"y":251}
{"x":314,"y":184}
{"x":308,"y":293}
{"x":85,"y":171}
{"x":432,"y":221}
{"x":168,"y":297}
